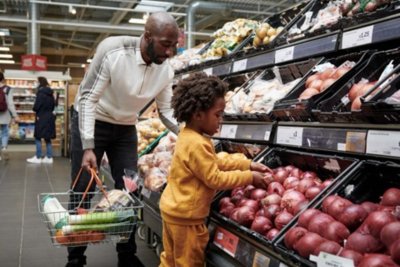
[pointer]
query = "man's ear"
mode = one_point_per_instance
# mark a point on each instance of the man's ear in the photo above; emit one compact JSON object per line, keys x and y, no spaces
{"x":147,"y":36}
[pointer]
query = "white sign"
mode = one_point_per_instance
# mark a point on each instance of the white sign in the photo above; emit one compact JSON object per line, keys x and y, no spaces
{"x":208,"y":71}
{"x":383,"y":143}
{"x":328,"y":260}
{"x":239,"y":65}
{"x":146,"y":192}
{"x":290,"y":135}
{"x":357,"y":37}
{"x":267,"y":135}
{"x":341,"y":147}
{"x":228,"y":131}
{"x":284,"y":54}
{"x":345,"y":100}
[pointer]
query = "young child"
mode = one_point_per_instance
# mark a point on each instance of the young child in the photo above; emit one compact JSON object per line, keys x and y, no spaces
{"x":196,"y":172}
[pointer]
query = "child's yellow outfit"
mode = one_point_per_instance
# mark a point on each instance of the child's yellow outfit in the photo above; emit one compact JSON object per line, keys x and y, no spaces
{"x":196,"y":173}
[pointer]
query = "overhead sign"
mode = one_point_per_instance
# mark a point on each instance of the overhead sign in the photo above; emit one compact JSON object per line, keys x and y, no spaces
{"x":33,"y":62}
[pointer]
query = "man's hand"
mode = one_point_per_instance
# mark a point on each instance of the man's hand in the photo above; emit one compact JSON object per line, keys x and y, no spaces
{"x":259,"y":167}
{"x":89,"y":160}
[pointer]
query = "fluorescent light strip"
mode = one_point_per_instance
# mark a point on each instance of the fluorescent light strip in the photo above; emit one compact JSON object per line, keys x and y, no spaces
{"x":137,"y":21}
{"x":6,"y":56}
{"x":7,"y":61}
{"x":3,"y":48}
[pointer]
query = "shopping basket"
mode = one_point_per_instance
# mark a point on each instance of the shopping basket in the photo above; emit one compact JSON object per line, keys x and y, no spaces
{"x":78,"y":219}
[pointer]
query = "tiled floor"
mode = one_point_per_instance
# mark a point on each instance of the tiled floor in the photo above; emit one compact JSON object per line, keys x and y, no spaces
{"x":24,"y":240}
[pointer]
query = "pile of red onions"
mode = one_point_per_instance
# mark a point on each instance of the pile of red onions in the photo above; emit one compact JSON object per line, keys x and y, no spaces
{"x":269,"y":211}
{"x":368,"y":233}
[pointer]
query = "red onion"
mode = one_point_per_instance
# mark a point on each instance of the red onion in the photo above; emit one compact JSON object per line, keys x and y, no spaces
{"x":308,"y":174}
{"x":237,"y":191}
{"x":271,"y":211}
{"x":282,"y":219}
{"x":395,"y":251}
{"x":244,"y":215}
{"x":276,"y":188}
{"x":312,"y":192}
{"x":236,"y":199}
{"x":258,"y":194}
{"x":390,"y":233}
{"x":227,"y":209}
{"x":305,"y":184}
{"x":248,"y":189}
{"x":261,"y":225}
{"x":336,"y":231}
{"x":271,"y":234}
{"x":391,"y":197}
{"x":291,"y":199}
{"x":306,"y":216}
{"x":327,"y":246}
{"x":369,"y":206}
{"x":291,"y":182}
{"x":224,"y":201}
{"x":289,"y":168}
{"x":293,"y":235}
{"x":253,"y":204}
{"x":327,"y":201}
{"x":376,"y":260}
{"x":389,"y":209}
{"x":278,"y":169}
{"x":306,"y":245}
{"x":273,"y":199}
{"x":319,"y":222}
{"x":363,"y":243}
{"x":337,"y":207}
{"x":377,"y":220}
{"x":351,"y":254}
{"x":281,"y":175}
{"x":260,"y":212}
{"x":296,"y":172}
{"x":353,"y":216}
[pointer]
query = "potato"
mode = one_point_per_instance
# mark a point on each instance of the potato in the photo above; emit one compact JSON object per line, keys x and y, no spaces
{"x":257,"y":41}
{"x":261,"y":33}
{"x":271,"y":32}
{"x":266,"y":40}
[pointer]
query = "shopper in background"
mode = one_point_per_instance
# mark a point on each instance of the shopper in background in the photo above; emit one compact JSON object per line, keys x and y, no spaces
{"x":7,"y":114}
{"x":45,"y":126}
{"x":126,"y":73}
{"x":197,"y":173}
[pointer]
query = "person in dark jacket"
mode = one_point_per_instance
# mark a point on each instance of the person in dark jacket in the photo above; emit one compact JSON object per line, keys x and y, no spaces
{"x":45,"y":127}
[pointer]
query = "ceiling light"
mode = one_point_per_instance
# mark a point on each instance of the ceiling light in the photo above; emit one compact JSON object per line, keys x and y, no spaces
{"x":2,"y":61}
{"x":4,"y":32}
{"x":6,"y":56}
{"x":153,"y":6}
{"x":83,"y":66}
{"x":3,"y":48}
{"x":137,"y":21}
{"x":89,"y":60}
{"x":71,"y":10}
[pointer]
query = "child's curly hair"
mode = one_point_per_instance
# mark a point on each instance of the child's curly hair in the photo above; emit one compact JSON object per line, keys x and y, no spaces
{"x":198,"y":92}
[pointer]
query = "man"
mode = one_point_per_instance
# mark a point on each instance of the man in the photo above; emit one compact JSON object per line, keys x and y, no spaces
{"x":6,"y":116}
{"x":126,"y":73}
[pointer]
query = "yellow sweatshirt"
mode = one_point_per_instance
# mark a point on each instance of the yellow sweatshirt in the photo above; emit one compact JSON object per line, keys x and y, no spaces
{"x":196,"y":173}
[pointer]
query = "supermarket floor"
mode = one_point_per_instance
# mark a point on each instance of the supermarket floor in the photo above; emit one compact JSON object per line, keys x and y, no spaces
{"x":24,"y":240}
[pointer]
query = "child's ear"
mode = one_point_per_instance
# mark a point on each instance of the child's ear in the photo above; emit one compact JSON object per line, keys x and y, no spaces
{"x":197,"y":115}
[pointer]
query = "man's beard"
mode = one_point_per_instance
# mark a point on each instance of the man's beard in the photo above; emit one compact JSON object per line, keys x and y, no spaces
{"x":152,"y":54}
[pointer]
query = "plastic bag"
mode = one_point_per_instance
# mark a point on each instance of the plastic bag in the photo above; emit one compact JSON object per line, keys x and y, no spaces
{"x":155,"y":180}
{"x":130,"y":180}
{"x":115,"y":200}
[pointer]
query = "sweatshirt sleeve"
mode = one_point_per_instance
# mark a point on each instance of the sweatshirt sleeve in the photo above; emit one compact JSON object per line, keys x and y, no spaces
{"x":205,"y":164}
{"x":90,"y":91}
{"x":228,"y":163}
{"x":163,"y":100}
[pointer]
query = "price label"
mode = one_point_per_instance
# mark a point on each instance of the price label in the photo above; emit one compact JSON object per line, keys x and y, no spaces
{"x":146,"y":192}
{"x":239,"y":65}
{"x":228,"y":131}
{"x":260,"y":260}
{"x":355,"y":141}
{"x":385,"y":143}
{"x":341,"y":147}
{"x":357,"y":37}
{"x":226,"y":241}
{"x":267,"y":135}
{"x":284,"y":54}
{"x":290,"y":136}
{"x":328,"y":260}
{"x":208,"y":71}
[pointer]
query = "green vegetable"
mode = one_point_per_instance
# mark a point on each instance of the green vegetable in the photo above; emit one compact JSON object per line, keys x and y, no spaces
{"x":113,"y":228}
{"x":101,"y":217}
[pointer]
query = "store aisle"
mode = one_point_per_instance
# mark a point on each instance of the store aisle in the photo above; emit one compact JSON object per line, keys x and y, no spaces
{"x":24,"y":240}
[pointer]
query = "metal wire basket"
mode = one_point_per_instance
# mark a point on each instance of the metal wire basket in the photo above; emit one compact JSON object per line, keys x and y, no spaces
{"x":71,"y":222}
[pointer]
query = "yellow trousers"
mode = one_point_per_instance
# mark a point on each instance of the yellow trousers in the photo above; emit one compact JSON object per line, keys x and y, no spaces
{"x":184,"y":246}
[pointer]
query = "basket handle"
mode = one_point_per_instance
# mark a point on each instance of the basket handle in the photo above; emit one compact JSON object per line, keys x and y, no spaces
{"x":93,"y":176}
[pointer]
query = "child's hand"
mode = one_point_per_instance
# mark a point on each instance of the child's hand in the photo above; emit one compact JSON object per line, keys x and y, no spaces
{"x":259,"y":167}
{"x":260,"y":180}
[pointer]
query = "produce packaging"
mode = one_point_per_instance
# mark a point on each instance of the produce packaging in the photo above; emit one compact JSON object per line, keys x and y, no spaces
{"x":358,"y":219}
{"x":299,"y":180}
{"x":148,"y":131}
